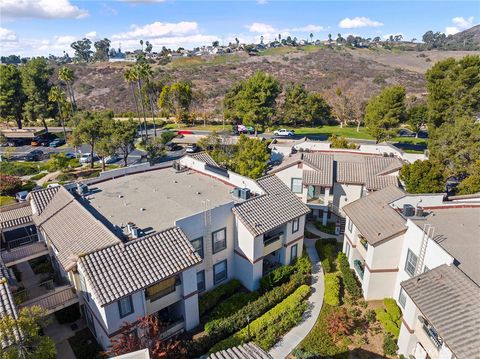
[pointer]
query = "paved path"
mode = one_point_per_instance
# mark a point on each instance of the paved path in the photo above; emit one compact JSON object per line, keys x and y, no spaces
{"x":315,"y":302}
{"x":309,"y":226}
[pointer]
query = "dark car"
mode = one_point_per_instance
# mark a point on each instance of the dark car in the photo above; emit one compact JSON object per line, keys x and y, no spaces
{"x":44,"y":142}
{"x":57,"y":142}
{"x":35,"y":155}
{"x":173,"y":147}
{"x":15,"y":143}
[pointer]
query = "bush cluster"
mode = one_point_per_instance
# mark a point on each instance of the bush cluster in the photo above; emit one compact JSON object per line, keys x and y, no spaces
{"x":349,"y":280}
{"x":266,"y":329}
{"x":231,"y":305}
{"x":282,"y":274}
{"x":21,"y":168}
{"x":332,"y":289}
{"x":390,"y":346}
{"x":327,"y":249}
{"x":210,"y":299}
{"x":329,"y":228}
{"x":390,"y":317}
{"x":220,"y":329}
{"x":9,"y":185}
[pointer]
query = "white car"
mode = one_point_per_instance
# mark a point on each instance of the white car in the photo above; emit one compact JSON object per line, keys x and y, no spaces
{"x":192,"y":149}
{"x":284,"y":132}
{"x":85,"y":158}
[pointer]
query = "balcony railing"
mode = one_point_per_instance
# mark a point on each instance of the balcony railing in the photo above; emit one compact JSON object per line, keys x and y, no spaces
{"x":357,"y":264}
{"x":272,"y":238}
{"x":162,"y":293}
{"x":432,"y":334}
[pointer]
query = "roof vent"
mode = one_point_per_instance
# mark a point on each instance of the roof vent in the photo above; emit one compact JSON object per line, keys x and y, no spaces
{"x":198,"y":192}
{"x":142,"y":209}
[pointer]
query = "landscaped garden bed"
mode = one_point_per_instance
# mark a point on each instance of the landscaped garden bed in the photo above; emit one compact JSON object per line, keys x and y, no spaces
{"x":85,"y":346}
{"x":348,"y":327}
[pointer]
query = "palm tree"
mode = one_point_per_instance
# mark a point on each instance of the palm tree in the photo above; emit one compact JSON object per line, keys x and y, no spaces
{"x":261,"y":39}
{"x":67,"y":75}
{"x":130,"y":77}
{"x":56,"y":95}
{"x":142,"y":70}
{"x":311,"y":37}
{"x":150,"y":89}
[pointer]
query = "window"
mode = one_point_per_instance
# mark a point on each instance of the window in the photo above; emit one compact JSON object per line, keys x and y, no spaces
{"x":219,"y":240}
{"x":350,"y":225}
{"x":220,"y":272}
{"x":293,"y":253}
{"x":411,"y":263}
{"x":125,"y":306}
{"x":83,"y":287}
{"x":297,"y":185}
{"x":201,"y":281}
{"x":295,"y":225}
{"x":322,"y":190}
{"x":198,"y":245}
{"x":402,"y":298}
{"x":347,"y":250}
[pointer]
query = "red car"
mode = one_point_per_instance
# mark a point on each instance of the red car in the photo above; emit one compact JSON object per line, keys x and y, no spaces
{"x":184,"y":132}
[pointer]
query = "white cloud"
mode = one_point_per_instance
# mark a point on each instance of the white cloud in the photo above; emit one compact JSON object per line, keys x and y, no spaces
{"x":357,"y":22}
{"x":158,"y":29}
{"x":460,"y":24}
{"x":91,"y":35}
{"x":260,"y":27}
{"x":108,"y":10}
{"x":7,"y":35}
{"x":141,"y":1}
{"x":44,"y":9}
{"x":262,"y":2}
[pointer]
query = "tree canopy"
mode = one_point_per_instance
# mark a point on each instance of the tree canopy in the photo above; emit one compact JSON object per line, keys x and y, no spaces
{"x":423,"y":177}
{"x":384,"y":112}
{"x":251,"y":157}
{"x":253,"y":100}
{"x":176,"y":99}
{"x":12,"y":97}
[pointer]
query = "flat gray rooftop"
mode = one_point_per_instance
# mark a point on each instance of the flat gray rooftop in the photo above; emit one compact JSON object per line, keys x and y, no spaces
{"x":155,"y":200}
{"x":457,"y":230}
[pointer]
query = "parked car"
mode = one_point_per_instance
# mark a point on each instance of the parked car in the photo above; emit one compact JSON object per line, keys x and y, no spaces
{"x":21,"y":196}
{"x":284,"y":132}
{"x":15,"y":143}
{"x":69,"y":155}
{"x":57,"y":142}
{"x":112,"y":159}
{"x":45,"y":142}
{"x":85,"y":158}
{"x":51,"y":185}
{"x":184,"y":132}
{"x":35,"y":155}
{"x":35,"y":142}
{"x":192,"y":149}
{"x":239,"y":129}
{"x":170,"y":146}
{"x":404,"y":132}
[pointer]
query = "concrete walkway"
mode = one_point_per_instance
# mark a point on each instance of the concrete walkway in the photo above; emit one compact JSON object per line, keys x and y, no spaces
{"x":315,"y":302}
{"x":309,"y":226}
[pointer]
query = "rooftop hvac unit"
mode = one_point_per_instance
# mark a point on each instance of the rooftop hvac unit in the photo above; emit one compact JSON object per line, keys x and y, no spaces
{"x":419,"y":212}
{"x":244,"y":193}
{"x":236,"y":192}
{"x":408,"y":210}
{"x":135,"y":232}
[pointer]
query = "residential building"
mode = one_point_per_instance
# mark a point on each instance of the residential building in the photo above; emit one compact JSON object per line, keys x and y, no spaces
{"x":423,"y":251}
{"x":328,"y":181}
{"x":150,"y":243}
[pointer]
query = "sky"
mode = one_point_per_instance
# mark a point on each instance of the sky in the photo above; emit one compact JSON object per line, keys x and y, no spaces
{"x":43,"y":27}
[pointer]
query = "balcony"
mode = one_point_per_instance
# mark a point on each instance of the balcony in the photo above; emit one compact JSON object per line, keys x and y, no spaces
{"x":363,"y":247}
{"x":163,"y":294}
{"x":428,"y":337}
{"x":52,"y":301}
{"x":359,"y":268}
{"x":272,"y":242}
{"x":26,"y":251}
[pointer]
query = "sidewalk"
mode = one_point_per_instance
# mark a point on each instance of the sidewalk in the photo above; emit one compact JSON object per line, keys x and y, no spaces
{"x":315,"y":302}
{"x":312,"y":229}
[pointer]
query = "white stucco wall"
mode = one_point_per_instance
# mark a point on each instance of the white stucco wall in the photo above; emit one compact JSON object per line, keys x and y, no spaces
{"x":344,"y":194}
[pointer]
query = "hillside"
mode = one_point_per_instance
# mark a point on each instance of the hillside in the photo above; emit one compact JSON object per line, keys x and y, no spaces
{"x":467,"y":39}
{"x":360,"y":72}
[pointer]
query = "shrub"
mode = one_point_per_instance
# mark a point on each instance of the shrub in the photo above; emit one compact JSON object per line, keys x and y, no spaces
{"x":282,"y":274}
{"x":21,"y":168}
{"x":387,"y":323}
{"x":4,"y":200}
{"x":389,"y":345}
{"x":9,"y":184}
{"x":327,"y":267}
{"x":329,"y":228}
{"x":266,"y":329}
{"x":38,"y":176}
{"x":332,"y":289}
{"x":231,"y":305}
{"x":349,"y":280}
{"x":212,"y":298}
{"x":370,"y":316}
{"x":392,"y":309}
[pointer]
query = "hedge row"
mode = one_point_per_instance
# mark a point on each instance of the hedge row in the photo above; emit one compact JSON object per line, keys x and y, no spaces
{"x":351,"y":284}
{"x":390,"y":317}
{"x":231,"y":305}
{"x":327,"y":249}
{"x":267,"y":329}
{"x":282,"y":274}
{"x":332,"y":289}
{"x":212,"y":298}
{"x":220,"y":329}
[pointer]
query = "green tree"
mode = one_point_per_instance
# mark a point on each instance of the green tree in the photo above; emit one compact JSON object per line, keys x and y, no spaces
{"x":83,"y":52}
{"x":423,"y":177}
{"x":471,"y":184}
{"x":417,"y":117}
{"x":253,"y":101}
{"x":58,"y":162}
{"x":91,"y":130}
{"x":384,"y":112}
{"x":453,"y":89}
{"x":29,"y":345}
{"x":130,"y":76}
{"x":57,"y":96}
{"x":319,"y":111}
{"x":36,"y":85}
{"x":67,"y":75}
{"x":123,"y":137}
{"x":341,"y":142}
{"x":101,"y":50}
{"x":106,"y":146}
{"x":155,"y":150}
{"x":294,"y":109}
{"x":176,"y":99}
{"x":12,"y":97}
{"x":251,"y":157}
{"x":142,"y":72}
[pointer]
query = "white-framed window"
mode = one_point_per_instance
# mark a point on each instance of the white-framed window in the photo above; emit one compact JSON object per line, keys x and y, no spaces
{"x":402,"y":298}
{"x":198,"y":245}
{"x":220,"y":272}
{"x":411,"y":263}
{"x":296,"y":185}
{"x":347,"y":250}
{"x":295,"y":225}
{"x":219,"y":240}
{"x":201,"y":281}
{"x":125,"y":306}
{"x":293,"y":253}
{"x":350,"y":225}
